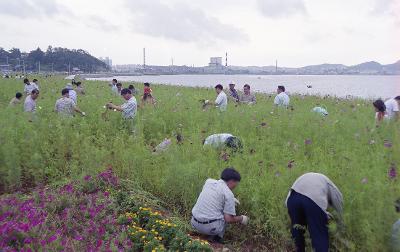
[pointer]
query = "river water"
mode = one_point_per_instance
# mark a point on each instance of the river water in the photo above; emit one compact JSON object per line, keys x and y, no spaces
{"x":363,"y":86}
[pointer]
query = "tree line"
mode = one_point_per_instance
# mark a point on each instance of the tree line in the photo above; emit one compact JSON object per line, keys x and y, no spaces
{"x":53,"y":59}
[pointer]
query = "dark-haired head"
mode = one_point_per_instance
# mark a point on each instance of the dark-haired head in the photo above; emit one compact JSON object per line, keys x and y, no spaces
{"x":34,"y":94}
{"x":234,"y":143}
{"x":78,"y":83}
{"x":231,"y":177}
{"x":26,"y":81}
{"x":35,"y":80}
{"x":119,"y":84}
{"x":131,"y":87}
{"x":18,"y":95}
{"x":379,"y":106}
{"x":65,"y":91}
{"x":397,"y":205}
{"x":114,"y":81}
{"x":146,"y":84}
{"x":125,"y":91}
{"x":281,"y":88}
{"x":219,"y":87}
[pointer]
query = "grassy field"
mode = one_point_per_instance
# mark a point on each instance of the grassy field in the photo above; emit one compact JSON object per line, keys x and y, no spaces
{"x":346,"y":146}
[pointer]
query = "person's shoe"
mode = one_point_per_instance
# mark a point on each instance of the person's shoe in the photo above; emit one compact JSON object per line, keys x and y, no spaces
{"x":216,"y":239}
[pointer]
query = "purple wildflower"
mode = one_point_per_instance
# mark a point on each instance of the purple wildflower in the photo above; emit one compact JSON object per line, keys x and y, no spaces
{"x":392,"y":172}
{"x":307,"y":142}
{"x":364,"y":180}
{"x":387,"y":143}
{"x":87,"y":178}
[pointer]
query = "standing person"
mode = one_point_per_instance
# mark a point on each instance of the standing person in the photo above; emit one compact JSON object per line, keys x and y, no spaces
{"x":30,"y":101}
{"x":247,"y":97}
{"x":66,"y":106}
{"x":221,"y":101}
{"x":380,"y":109}
{"x":36,"y":82}
{"x":119,"y":88}
{"x":128,"y":109}
{"x":147,"y":89}
{"x":16,"y":100}
{"x":79,"y":88}
{"x":29,"y":87}
{"x":215,"y":206}
{"x":282,"y":99}
{"x":133,"y":90}
{"x":392,"y":108}
{"x":72,"y":93}
{"x":113,"y":85}
{"x":307,"y":203}
{"x":233,"y":94}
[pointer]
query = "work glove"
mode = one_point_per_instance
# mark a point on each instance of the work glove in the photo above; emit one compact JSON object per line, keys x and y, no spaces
{"x":83,"y":114}
{"x":237,"y":202}
{"x":245,"y":220}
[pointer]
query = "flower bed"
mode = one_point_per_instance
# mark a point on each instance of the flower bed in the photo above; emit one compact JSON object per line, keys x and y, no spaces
{"x":89,"y":215}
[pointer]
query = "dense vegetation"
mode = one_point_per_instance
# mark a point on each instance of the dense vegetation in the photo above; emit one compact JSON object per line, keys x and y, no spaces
{"x":53,"y":59}
{"x":279,"y":145}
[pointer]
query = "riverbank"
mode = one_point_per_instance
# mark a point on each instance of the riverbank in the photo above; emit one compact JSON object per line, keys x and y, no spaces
{"x":279,"y":145}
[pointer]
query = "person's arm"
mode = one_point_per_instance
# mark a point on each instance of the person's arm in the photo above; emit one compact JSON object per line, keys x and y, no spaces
{"x":112,"y":106}
{"x":276,"y":100}
{"x":335,"y":198}
{"x":76,"y":109}
{"x":233,"y":219}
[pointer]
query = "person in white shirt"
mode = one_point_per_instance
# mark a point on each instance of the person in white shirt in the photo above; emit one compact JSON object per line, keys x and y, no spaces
{"x":215,"y":206}
{"x":30,"y":101}
{"x":222,"y":99}
{"x":29,"y":86}
{"x":282,"y":99}
{"x":66,"y":106}
{"x":72,"y":93}
{"x":392,"y":108}
{"x":113,"y":85}
{"x":223,"y":140}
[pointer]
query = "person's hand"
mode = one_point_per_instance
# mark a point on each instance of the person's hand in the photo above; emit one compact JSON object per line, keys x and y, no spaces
{"x":237,"y":202}
{"x":245,"y":220}
{"x":83,"y":113}
{"x":109,"y":105}
{"x":206,"y":102}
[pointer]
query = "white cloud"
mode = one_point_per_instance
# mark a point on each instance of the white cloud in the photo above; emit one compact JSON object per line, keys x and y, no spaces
{"x":281,"y":8}
{"x":180,"y":22}
{"x":32,"y":8}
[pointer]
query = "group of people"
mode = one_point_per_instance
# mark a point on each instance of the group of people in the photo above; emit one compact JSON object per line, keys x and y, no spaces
{"x":246,"y":97}
{"x":117,"y":87}
{"x":307,"y":202}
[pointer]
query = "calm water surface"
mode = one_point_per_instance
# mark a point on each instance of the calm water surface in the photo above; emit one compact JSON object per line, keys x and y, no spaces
{"x":363,"y":86}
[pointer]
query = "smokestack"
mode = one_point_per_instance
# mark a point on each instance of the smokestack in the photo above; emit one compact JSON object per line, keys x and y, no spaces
{"x":144,"y":58}
{"x":226,"y":59}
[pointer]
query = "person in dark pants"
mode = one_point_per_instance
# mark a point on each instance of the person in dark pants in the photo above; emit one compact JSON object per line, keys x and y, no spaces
{"x":307,"y":203}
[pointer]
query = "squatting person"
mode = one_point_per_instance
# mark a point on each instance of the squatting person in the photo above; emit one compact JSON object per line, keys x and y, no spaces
{"x":215,"y":206}
{"x":221,"y":101}
{"x":30,"y":101}
{"x":16,"y":100}
{"x":233,"y":93}
{"x":392,"y":108}
{"x":29,"y":86}
{"x":307,"y":203}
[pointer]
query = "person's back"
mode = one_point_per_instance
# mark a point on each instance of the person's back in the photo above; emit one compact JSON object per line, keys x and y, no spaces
{"x":282,"y":99}
{"x":29,"y":104}
{"x":65,"y":106}
{"x":73,"y":96}
{"x":217,"y":140}
{"x":210,"y":204}
{"x":392,"y":107}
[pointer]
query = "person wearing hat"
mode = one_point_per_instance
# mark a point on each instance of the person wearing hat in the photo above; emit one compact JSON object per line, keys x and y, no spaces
{"x":215,"y":206}
{"x":233,"y":94}
{"x":72,"y":93}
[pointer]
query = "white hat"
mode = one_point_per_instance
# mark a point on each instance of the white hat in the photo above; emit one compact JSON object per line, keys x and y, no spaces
{"x":232,"y":83}
{"x":69,"y":86}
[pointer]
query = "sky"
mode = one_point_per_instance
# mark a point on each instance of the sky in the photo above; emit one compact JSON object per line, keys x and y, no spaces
{"x":253,"y":32}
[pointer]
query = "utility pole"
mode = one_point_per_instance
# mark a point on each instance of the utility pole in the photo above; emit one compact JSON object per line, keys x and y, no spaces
{"x":276,"y":66}
{"x":172,"y":61}
{"x":52,"y":67}
{"x":144,"y":58}
{"x":7,"y":60}
{"x":23,"y":65}
{"x":226,"y":59}
{"x":69,"y":68}
{"x":39,"y":67}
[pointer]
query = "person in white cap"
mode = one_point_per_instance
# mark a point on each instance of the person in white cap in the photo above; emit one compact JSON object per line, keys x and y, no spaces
{"x":72,"y":93}
{"x":233,"y":94}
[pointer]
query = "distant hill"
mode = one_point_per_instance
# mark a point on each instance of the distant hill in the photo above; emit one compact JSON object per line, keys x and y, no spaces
{"x":392,"y":68}
{"x":53,"y":59}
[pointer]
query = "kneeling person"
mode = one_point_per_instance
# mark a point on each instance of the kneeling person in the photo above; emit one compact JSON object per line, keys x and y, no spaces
{"x":66,"y":106}
{"x":215,"y":206}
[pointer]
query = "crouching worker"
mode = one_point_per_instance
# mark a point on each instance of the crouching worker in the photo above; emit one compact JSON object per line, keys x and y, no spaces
{"x":215,"y":207}
{"x":307,"y":204}
{"x":223,"y":140}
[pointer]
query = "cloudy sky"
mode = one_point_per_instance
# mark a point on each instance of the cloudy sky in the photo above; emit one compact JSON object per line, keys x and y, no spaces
{"x":253,"y":32}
